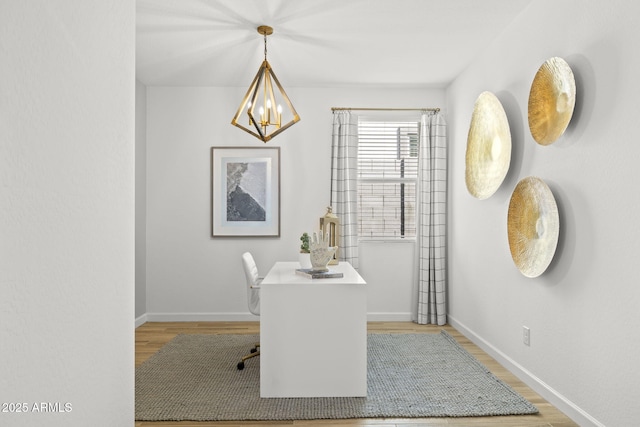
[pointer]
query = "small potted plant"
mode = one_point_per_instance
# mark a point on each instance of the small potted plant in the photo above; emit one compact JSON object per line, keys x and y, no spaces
{"x":305,"y":255}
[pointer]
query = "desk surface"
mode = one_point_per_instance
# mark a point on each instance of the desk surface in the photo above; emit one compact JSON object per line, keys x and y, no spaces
{"x":285,"y":273}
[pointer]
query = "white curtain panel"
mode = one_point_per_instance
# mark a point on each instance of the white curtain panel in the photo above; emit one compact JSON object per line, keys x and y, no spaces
{"x":432,"y":285}
{"x":344,"y":169}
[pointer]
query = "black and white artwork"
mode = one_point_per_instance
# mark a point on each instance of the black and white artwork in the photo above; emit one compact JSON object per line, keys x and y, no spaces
{"x":245,"y":191}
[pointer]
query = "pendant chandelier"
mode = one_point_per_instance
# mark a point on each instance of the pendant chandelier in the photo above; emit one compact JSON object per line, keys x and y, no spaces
{"x":266,"y":116}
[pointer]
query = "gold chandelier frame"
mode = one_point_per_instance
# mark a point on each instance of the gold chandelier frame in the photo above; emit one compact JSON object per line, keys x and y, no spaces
{"x":260,"y":102}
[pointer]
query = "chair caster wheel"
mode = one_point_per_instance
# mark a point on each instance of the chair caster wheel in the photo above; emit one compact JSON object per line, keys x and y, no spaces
{"x":253,"y":350}
{"x":240,"y":366}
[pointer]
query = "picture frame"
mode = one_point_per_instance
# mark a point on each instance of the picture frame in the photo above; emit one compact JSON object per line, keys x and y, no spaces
{"x":245,"y":191}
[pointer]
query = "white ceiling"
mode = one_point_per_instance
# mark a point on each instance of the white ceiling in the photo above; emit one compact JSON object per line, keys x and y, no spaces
{"x":316,"y":43}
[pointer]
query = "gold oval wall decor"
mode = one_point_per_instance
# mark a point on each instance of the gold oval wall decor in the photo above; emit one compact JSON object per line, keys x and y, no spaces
{"x":488,"y":147}
{"x":551,"y":101}
{"x":532,"y":226}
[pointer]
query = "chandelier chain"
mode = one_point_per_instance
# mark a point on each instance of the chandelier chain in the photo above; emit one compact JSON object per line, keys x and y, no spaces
{"x":265,"y":47}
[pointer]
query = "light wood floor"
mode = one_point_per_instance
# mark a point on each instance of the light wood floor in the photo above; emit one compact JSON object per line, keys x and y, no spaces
{"x":151,"y":336}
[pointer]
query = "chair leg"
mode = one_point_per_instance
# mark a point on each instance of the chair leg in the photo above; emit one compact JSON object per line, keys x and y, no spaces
{"x":255,"y":351}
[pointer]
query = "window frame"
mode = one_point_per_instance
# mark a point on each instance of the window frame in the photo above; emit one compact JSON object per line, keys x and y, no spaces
{"x":411,"y":125}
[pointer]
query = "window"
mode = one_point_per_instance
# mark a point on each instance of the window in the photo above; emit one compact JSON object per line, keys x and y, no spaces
{"x":387,"y":178}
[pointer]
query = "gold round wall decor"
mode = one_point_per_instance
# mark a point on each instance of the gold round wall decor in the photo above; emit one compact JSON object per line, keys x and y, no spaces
{"x":532,"y":226}
{"x":551,"y":101}
{"x":488,"y":147}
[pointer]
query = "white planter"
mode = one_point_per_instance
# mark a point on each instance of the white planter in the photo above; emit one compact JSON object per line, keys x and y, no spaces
{"x":305,"y":260}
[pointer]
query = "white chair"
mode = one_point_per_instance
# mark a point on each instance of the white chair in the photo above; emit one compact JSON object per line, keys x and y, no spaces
{"x":253,"y":297}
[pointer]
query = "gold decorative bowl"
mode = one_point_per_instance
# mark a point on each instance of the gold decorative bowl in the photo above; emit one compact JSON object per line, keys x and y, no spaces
{"x":488,"y":147}
{"x":551,"y":101}
{"x":532,"y":226}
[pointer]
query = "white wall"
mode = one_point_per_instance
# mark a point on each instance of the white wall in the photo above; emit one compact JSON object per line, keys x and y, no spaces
{"x":583,"y":312}
{"x":67,"y":211}
{"x":141,"y":202}
{"x":191,"y":275}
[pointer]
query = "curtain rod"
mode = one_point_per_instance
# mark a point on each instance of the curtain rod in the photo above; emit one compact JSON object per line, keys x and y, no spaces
{"x":384,"y":109}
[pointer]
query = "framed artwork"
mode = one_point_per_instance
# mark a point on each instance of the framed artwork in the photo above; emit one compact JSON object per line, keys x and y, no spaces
{"x":245,"y":191}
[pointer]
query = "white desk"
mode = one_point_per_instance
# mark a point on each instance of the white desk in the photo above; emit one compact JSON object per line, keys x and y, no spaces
{"x":313,"y":334}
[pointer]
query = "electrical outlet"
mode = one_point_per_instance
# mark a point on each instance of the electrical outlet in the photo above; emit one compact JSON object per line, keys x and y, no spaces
{"x":526,"y":335}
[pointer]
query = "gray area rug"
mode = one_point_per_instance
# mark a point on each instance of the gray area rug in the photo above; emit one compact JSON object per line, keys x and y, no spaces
{"x":194,"y":377}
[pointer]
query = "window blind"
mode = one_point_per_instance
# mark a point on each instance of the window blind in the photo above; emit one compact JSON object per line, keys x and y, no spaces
{"x":387,"y":178}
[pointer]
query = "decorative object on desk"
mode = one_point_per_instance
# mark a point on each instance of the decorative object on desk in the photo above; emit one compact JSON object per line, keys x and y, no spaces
{"x":330,"y":224}
{"x":488,"y":147}
{"x":305,"y":256}
{"x":245,"y":197}
{"x":314,"y":274}
{"x":270,"y":119}
{"x":321,"y":253}
{"x":533,"y":226}
{"x":552,"y":99}
{"x":419,"y":375}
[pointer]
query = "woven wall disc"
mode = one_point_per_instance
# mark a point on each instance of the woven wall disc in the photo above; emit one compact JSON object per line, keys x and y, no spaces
{"x":532,"y":226}
{"x":551,"y":101}
{"x":488,"y":147}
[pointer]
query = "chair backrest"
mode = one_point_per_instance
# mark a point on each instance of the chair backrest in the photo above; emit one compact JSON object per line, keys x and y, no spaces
{"x":253,"y":281}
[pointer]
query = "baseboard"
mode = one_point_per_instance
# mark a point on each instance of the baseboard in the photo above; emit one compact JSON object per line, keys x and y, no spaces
{"x":543,"y":389}
{"x":141,"y":320}
{"x":246,"y":317}
{"x":388,"y":317}
{"x":201,"y":317}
